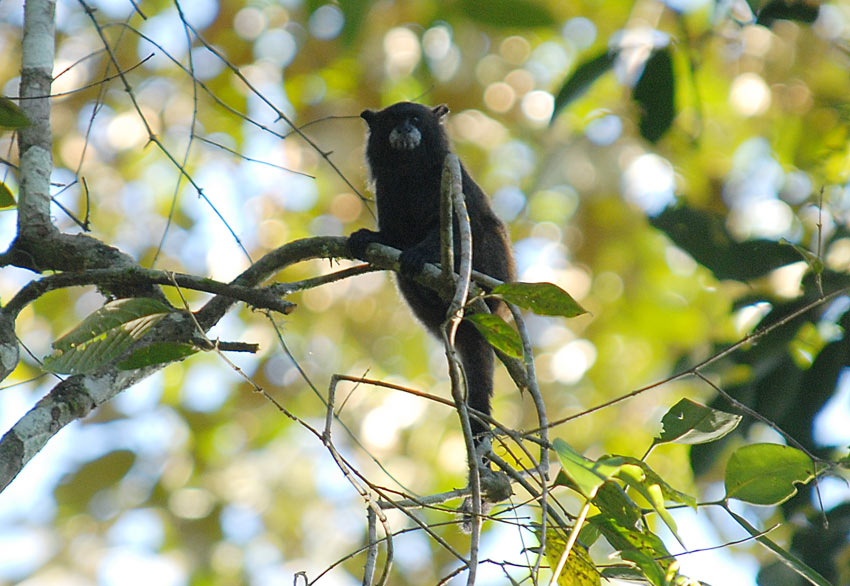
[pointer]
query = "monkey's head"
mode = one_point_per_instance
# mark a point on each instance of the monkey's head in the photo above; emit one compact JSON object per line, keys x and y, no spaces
{"x":406,"y":133}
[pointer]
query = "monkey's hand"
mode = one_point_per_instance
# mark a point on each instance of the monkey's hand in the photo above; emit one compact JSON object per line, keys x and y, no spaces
{"x":413,"y":260}
{"x":358,"y":241}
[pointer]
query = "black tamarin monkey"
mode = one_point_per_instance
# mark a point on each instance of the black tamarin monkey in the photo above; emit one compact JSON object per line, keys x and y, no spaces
{"x":406,"y":147}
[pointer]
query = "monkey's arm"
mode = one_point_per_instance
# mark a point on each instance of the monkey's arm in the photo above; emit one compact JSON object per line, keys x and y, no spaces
{"x":412,"y":258}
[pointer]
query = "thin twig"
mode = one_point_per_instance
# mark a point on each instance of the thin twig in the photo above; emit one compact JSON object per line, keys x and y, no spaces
{"x":748,"y":339}
{"x":90,"y":12}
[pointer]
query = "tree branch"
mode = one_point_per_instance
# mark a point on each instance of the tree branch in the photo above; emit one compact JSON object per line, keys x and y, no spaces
{"x":78,"y":395}
{"x":264,"y":298}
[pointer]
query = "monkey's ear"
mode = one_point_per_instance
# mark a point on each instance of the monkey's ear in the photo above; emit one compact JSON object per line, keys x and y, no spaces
{"x":368,"y":116}
{"x":440,"y":111}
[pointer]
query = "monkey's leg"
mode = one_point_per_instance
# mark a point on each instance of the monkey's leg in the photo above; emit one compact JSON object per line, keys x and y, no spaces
{"x":478,"y":363}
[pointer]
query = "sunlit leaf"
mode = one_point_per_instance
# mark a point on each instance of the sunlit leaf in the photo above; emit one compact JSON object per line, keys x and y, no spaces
{"x":540,"y":298}
{"x":586,"y":475}
{"x":654,"y":489}
{"x":691,"y":423}
{"x":497,"y":332}
{"x":579,"y":569}
{"x":766,"y":474}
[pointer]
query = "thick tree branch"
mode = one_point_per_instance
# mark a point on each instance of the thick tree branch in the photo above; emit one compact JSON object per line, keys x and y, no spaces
{"x":130,"y":277}
{"x":35,"y":141}
{"x":39,"y":245}
{"x":73,"y":398}
{"x":60,"y":406}
{"x":35,"y":145}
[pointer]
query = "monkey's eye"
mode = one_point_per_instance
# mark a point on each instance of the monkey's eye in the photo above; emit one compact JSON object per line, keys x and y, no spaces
{"x":415,"y":120}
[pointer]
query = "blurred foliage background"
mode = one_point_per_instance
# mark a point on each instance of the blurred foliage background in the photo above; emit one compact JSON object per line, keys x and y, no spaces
{"x":192,"y":478}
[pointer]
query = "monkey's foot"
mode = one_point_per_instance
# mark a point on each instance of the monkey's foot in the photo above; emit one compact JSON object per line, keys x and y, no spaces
{"x":495,"y":487}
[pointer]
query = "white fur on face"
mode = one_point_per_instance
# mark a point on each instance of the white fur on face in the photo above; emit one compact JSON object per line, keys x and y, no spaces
{"x":405,"y":140}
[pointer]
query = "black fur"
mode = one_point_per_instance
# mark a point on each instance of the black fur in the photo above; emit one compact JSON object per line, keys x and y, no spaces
{"x":406,"y":148}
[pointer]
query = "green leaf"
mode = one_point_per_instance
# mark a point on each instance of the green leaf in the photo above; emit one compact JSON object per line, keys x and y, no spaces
{"x":586,"y":475}
{"x":624,"y":573}
{"x":655,"y":95}
{"x":652,"y":478}
{"x":652,"y":570}
{"x":157,"y":353}
{"x":620,"y":526}
{"x":7,"y":200}
{"x":541,"y":298}
{"x":766,"y":474}
{"x":613,"y":501}
{"x":703,"y":236}
{"x":354,"y":12}
{"x":691,"y":423}
{"x":497,"y":332}
{"x":645,"y":549}
{"x":654,"y":489}
{"x":508,"y":13}
{"x":76,"y":489}
{"x":11,"y":116}
{"x":104,"y":335}
{"x":815,"y":264}
{"x":588,"y":535}
{"x":579,"y":569}
{"x":786,"y":557}
{"x":582,"y":78}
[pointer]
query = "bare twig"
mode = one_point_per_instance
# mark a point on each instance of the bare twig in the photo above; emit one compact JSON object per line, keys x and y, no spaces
{"x":748,"y":339}
{"x":453,"y":206}
{"x":372,"y":506}
{"x":152,"y":137}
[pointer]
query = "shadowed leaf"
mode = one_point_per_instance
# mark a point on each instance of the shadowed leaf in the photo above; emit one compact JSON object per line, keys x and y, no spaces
{"x":157,"y":353}
{"x":655,"y":94}
{"x":778,"y":10}
{"x":6,"y":198}
{"x":582,"y":78}
{"x":704,"y":237}
{"x":11,"y":116}
{"x":104,"y":335}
